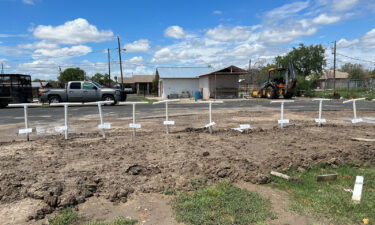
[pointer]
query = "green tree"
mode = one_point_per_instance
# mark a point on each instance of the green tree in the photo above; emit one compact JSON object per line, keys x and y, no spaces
{"x":155,"y":84}
{"x":72,"y":74}
{"x":355,"y":71}
{"x":306,"y":59}
{"x":101,"y":78}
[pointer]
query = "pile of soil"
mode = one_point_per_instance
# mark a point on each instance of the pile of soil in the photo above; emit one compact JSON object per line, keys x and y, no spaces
{"x":66,"y":173}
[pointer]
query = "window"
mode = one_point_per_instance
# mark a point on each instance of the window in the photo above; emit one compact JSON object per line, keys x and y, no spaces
{"x":75,"y":85}
{"x":88,"y":86}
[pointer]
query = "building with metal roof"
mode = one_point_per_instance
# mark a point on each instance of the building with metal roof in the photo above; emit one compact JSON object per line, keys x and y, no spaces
{"x":183,"y":82}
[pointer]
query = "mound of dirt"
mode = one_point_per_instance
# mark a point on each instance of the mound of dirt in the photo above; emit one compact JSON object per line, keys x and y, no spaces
{"x":66,"y":173}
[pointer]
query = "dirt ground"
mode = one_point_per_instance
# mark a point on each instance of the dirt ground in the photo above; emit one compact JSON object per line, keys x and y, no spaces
{"x":127,"y":176}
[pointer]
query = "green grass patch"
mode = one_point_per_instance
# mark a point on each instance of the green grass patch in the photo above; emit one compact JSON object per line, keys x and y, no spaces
{"x":141,"y":99}
{"x":118,"y":221}
{"x":328,"y":198}
{"x":222,"y":204}
{"x":64,"y":217}
{"x":69,"y":216}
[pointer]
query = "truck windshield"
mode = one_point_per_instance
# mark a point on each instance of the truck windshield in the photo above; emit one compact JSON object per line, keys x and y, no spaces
{"x":97,"y":84}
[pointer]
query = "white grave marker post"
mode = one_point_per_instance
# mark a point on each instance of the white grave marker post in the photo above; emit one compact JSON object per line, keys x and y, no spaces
{"x":320,"y":120}
{"x":64,"y":128}
{"x":103,"y":126}
{"x":355,"y":119}
{"x":167,"y":122}
{"x":211,"y":123}
{"x":282,"y":121}
{"x":26,"y":130}
{"x":357,"y":191}
{"x":134,"y":125}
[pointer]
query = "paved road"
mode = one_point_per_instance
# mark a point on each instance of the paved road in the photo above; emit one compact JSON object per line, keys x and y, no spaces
{"x":52,"y":114}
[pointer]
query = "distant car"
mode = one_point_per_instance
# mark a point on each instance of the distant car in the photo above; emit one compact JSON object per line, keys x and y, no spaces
{"x":82,"y":91}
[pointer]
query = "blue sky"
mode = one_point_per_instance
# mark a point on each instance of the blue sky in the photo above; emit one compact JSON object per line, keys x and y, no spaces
{"x":38,"y":37}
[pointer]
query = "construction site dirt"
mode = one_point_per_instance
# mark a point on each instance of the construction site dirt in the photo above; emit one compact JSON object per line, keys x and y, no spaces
{"x":48,"y":172}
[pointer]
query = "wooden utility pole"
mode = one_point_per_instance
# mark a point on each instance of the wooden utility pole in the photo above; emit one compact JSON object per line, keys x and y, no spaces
{"x":334,"y":67}
{"x":109,"y":67}
{"x":119,"y":56}
{"x":2,"y":68}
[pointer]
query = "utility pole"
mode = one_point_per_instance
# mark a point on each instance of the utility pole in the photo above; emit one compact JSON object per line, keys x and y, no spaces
{"x":334,"y":67}
{"x":109,"y":68}
{"x":119,"y":56}
{"x":2,"y":68}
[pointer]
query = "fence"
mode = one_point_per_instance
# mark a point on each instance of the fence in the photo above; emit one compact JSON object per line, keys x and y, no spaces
{"x":347,"y":83}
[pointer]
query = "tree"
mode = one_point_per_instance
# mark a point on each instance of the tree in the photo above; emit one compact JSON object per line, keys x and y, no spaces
{"x":155,"y":84}
{"x":72,"y":74}
{"x":355,"y":71}
{"x":306,"y":59}
{"x":101,"y":78}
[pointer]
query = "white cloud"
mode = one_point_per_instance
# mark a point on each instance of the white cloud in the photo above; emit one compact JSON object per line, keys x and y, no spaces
{"x":29,"y":2}
{"x":286,"y":10}
{"x":175,"y":32}
{"x":237,"y":33}
{"x":343,"y":43}
{"x":163,"y":55}
{"x":77,"y":31}
{"x":343,"y":5}
{"x":217,"y":12}
{"x":285,"y":35}
{"x":40,"y":44}
{"x":73,"y":51}
{"x":368,"y":40}
{"x":136,"y":60}
{"x":325,"y":19}
{"x":141,"y":45}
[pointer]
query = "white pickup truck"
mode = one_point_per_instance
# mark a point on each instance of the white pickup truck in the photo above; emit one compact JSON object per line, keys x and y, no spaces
{"x":82,"y":91}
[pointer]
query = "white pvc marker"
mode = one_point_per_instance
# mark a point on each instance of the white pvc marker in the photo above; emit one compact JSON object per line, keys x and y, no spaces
{"x":64,"y":128}
{"x":357,"y":191}
{"x":282,"y":121}
{"x":134,"y":125}
{"x":242,"y":127}
{"x":320,"y":120}
{"x":26,"y":130}
{"x":355,"y":119}
{"x":167,"y":122}
{"x":102,"y":126}
{"x":210,"y":123}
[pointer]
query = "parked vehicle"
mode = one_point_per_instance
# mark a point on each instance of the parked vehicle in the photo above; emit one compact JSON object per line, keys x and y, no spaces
{"x":82,"y":91}
{"x":15,"y":88}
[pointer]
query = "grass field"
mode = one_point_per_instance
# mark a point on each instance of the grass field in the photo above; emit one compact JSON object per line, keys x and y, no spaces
{"x":328,"y":198}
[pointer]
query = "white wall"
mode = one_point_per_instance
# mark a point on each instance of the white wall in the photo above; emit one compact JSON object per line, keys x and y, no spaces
{"x":204,"y":86}
{"x":179,"y":85}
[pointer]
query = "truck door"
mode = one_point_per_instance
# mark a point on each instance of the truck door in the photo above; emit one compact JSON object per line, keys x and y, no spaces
{"x":90,"y":92}
{"x":75,"y":92}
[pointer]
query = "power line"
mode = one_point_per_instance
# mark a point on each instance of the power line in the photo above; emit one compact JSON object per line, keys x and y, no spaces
{"x":358,"y":59}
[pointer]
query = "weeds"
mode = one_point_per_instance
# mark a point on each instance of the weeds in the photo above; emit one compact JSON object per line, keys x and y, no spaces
{"x":222,"y":204}
{"x":69,"y":217}
{"x":329,"y":198}
{"x":64,"y":217}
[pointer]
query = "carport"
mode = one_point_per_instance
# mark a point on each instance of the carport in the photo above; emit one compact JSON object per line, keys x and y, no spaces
{"x":223,"y":83}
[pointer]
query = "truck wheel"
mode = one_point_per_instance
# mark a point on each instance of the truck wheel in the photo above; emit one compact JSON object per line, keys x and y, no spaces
{"x":54,"y":99}
{"x":109,"y":98}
